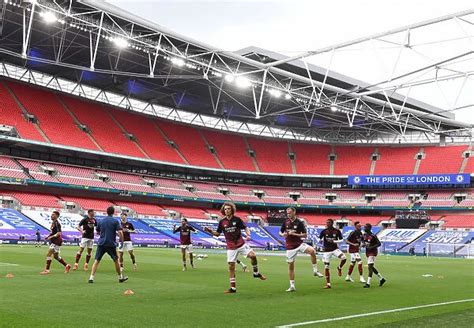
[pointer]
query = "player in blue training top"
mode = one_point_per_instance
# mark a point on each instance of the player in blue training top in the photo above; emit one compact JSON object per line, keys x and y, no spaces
{"x":108,"y":229}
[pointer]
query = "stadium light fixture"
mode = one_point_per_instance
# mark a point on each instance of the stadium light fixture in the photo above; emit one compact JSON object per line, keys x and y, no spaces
{"x":287,"y":96}
{"x":243,"y":82}
{"x":275,"y":93}
{"x":229,"y":78}
{"x":49,"y":17}
{"x":178,"y":61}
{"x":120,"y":43}
{"x":333,"y":108}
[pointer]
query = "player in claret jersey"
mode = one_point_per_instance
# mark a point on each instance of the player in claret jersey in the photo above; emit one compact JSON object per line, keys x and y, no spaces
{"x":294,"y":231}
{"x":127,"y":228}
{"x":185,"y":238}
{"x":372,"y":244}
{"x":354,"y":240}
{"x":232,"y":227}
{"x":86,"y":227}
{"x":331,"y":237}
{"x":55,"y":244}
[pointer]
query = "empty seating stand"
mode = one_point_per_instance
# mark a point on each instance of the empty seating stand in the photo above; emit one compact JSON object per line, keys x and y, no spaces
{"x":231,"y":150}
{"x":54,"y":120}
{"x":190,"y":143}
{"x":272,"y":156}
{"x":103,"y":128}
{"x":11,"y":115}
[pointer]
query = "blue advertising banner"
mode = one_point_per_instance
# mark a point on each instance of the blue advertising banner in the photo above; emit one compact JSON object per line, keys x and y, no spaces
{"x":407,"y":180}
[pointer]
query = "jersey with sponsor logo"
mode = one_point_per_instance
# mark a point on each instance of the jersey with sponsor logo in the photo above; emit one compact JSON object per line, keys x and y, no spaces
{"x":185,"y":234}
{"x":88,"y":226}
{"x":329,"y":236}
{"x":126,"y":228}
{"x":55,"y":228}
{"x":355,"y":237}
{"x":297,"y":226}
{"x":232,"y":231}
{"x":371,"y":240}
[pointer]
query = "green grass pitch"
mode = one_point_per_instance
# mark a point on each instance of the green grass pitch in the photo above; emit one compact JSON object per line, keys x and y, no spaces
{"x":167,"y":297}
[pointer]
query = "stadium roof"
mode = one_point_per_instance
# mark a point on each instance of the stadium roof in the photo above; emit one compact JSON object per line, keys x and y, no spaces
{"x":96,"y":50}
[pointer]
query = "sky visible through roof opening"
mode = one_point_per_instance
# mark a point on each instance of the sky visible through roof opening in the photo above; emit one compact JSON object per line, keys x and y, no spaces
{"x":291,"y":27}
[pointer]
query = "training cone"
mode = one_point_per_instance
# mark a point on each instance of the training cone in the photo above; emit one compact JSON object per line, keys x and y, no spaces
{"x":128,"y":292}
{"x":9,"y":275}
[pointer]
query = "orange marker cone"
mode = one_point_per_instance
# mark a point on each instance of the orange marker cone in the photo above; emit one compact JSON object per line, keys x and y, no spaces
{"x":128,"y":292}
{"x":9,"y":275}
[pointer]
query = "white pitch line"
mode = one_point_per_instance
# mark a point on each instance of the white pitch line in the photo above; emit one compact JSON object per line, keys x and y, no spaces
{"x":374,"y":313}
{"x":8,"y":264}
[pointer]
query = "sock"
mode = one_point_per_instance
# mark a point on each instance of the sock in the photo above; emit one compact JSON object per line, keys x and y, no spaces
{"x":60,"y":260}
{"x":78,"y":257}
{"x":360,"y":268}
{"x":328,"y":278}
{"x":121,"y":275}
{"x":240,"y":263}
{"x":48,"y":263}
{"x":379,"y":276}
{"x":292,"y":283}
{"x":315,"y":267}
{"x":88,"y":258}
{"x":369,"y":279}
{"x":91,"y":277}
{"x":342,"y":263}
{"x":232,"y":283}
{"x":255,"y":269}
{"x":133,"y":258}
{"x":184,"y":263}
{"x":351,"y":267}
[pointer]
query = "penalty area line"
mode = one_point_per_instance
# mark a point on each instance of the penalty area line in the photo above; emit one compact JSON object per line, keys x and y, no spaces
{"x":7,"y":264}
{"x":374,"y":313}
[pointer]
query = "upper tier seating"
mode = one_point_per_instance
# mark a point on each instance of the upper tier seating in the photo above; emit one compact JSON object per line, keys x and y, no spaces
{"x":272,"y":156}
{"x":53,"y":119}
{"x":103,"y":128}
{"x":190,"y":143}
{"x":11,"y":115}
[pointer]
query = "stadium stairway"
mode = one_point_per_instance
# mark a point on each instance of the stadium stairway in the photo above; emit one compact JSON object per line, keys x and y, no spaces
{"x":78,"y":123}
{"x":170,"y":142}
{"x":465,"y":160}
{"x":213,"y":153}
{"x":126,"y":133}
{"x":253,"y":158}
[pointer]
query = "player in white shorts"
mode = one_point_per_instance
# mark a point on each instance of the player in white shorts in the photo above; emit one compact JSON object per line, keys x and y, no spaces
{"x":185,"y":237}
{"x":232,"y":227}
{"x":294,"y":231}
{"x":126,"y":245}
{"x":354,"y":240}
{"x":331,"y":237}
{"x":86,"y":228}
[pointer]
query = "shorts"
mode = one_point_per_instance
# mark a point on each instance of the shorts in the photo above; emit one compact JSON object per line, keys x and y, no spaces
{"x":86,"y":242}
{"x":125,"y":246}
{"x":188,"y":248}
{"x":355,"y":257}
{"x":55,"y":247}
{"x":232,"y":254}
{"x":101,"y":250}
{"x":292,"y":253}
{"x":336,"y":253}
{"x":371,"y":259}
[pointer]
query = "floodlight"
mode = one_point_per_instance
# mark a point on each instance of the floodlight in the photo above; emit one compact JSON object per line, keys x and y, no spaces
{"x":242,"y":82}
{"x":177,"y":61}
{"x":229,"y":78}
{"x":120,"y":42}
{"x":275,"y":93}
{"x":333,"y":108}
{"x":49,"y":17}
